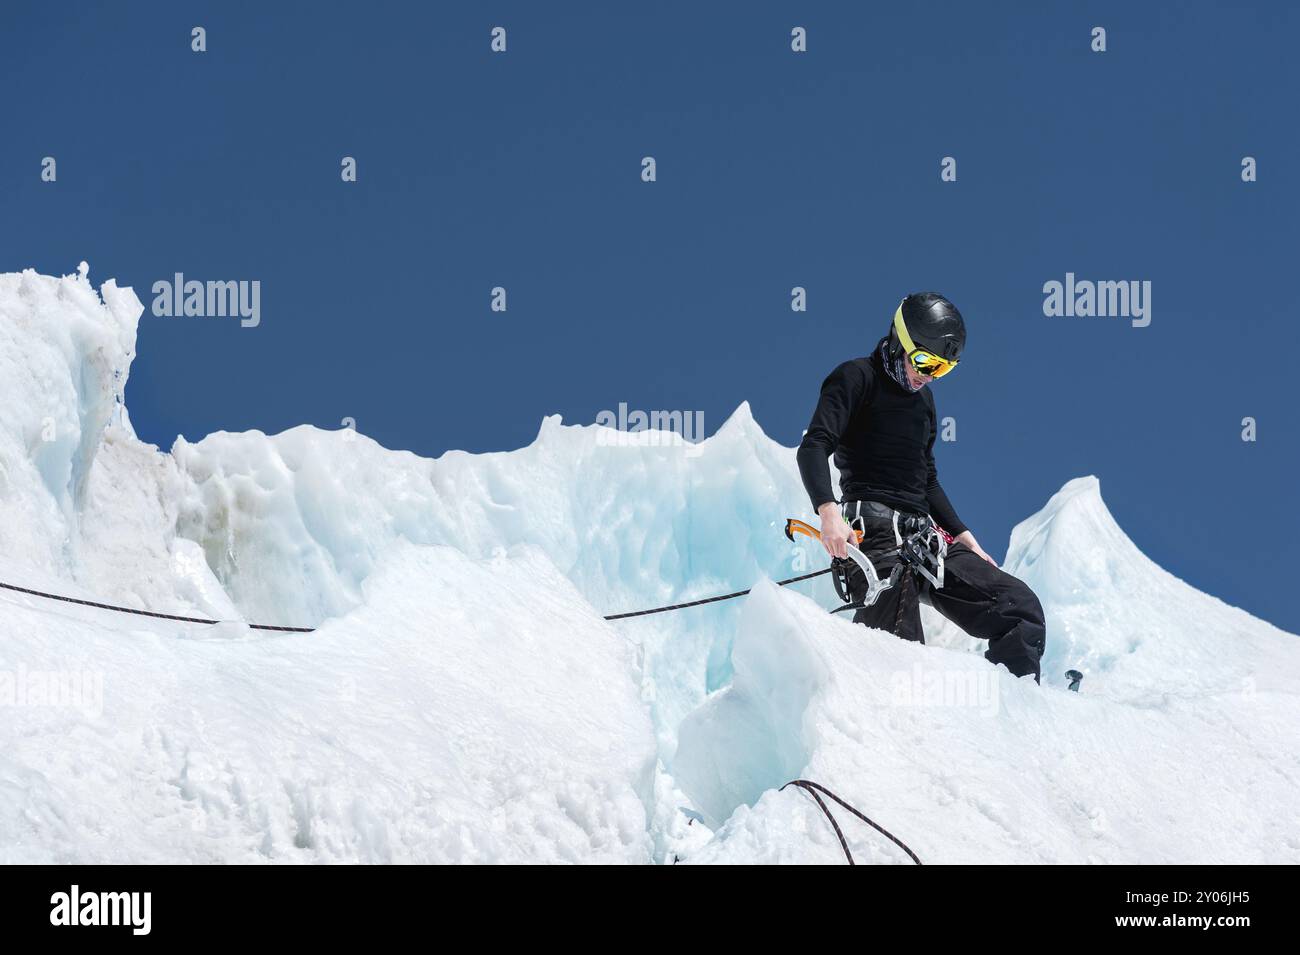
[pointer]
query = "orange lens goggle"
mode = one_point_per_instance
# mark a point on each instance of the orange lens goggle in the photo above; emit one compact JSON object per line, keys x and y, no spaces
{"x":928,"y":364}
{"x":924,"y":362}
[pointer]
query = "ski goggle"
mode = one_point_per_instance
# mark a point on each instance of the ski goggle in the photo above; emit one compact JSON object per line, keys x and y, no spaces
{"x":922,"y":361}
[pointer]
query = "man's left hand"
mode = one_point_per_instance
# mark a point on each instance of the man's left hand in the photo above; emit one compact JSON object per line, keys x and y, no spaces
{"x":967,"y":538}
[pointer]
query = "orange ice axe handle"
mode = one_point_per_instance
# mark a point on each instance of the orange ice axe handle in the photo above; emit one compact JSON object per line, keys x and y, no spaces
{"x":793,"y":526}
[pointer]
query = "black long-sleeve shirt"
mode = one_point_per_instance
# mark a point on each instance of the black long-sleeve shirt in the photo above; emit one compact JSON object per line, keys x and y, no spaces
{"x":882,"y":437}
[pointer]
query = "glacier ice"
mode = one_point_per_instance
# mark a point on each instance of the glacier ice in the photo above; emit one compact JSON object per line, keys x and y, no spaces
{"x":464,"y":700}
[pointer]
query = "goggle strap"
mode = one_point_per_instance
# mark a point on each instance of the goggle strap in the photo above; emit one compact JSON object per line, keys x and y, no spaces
{"x":901,"y":328}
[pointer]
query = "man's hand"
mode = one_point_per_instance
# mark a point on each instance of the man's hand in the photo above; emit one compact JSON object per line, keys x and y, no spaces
{"x":967,"y":538}
{"x":835,"y":532}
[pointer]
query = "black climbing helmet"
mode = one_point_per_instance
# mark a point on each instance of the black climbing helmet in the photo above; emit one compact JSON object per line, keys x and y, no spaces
{"x":928,"y":325}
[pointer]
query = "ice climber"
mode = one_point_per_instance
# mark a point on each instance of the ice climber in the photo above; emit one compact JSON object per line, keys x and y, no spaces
{"x":876,"y":415}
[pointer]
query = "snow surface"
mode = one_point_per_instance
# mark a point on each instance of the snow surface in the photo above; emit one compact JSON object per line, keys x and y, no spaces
{"x":464,"y":701}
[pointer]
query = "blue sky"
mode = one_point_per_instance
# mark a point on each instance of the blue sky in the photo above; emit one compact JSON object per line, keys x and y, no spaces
{"x":774,"y":170}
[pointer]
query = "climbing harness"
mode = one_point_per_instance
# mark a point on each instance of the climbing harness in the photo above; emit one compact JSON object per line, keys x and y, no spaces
{"x":924,"y":550}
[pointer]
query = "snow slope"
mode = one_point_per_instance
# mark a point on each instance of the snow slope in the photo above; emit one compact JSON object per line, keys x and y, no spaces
{"x":1179,"y":749}
{"x":464,"y":700}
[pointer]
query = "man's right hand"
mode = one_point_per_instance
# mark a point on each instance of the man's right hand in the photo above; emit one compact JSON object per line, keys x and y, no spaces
{"x":836,"y":534}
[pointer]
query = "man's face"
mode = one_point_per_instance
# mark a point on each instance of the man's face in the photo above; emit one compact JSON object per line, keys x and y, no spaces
{"x":915,"y":377}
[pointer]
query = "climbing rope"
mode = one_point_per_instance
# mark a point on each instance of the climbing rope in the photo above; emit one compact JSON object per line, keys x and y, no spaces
{"x":709,"y":600}
{"x":267,"y":626}
{"x":801,"y":526}
{"x":146,"y":613}
{"x":814,"y":789}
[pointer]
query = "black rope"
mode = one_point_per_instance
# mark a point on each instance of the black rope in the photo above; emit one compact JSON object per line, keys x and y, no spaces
{"x":902,"y":602}
{"x":147,"y":613}
{"x":267,"y":626}
{"x":709,"y":600}
{"x":814,"y":788}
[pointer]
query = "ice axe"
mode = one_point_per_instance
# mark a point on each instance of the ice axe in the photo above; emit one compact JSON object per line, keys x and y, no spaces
{"x":840,"y":577}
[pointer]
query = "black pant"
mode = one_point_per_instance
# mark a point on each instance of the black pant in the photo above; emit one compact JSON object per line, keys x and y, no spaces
{"x":984,"y":600}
